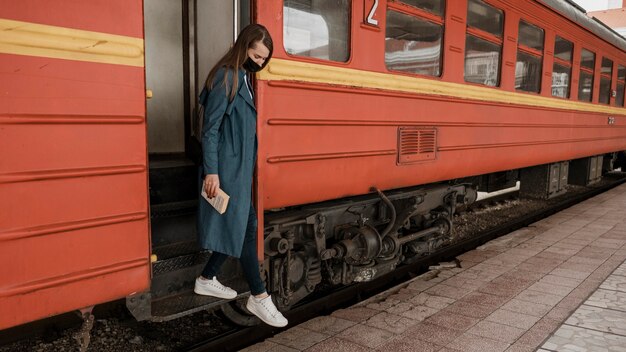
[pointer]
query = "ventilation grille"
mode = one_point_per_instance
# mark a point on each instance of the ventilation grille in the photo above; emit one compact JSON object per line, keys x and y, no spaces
{"x":416,"y":144}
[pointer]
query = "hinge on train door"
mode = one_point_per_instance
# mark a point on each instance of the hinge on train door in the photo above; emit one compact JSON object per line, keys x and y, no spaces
{"x":83,"y":336}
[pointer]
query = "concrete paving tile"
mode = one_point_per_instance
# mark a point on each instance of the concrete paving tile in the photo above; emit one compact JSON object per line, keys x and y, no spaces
{"x":560,"y":280}
{"x":471,"y":309}
{"x":328,"y":325}
{"x":574,"y":339}
{"x":400,"y":308}
{"x":621,"y":270}
{"x":420,"y":285}
{"x":366,"y":335}
{"x":335,"y":344}
{"x":519,"y":347}
{"x":602,"y":298}
{"x":402,"y":344}
{"x":539,"y":297}
{"x":484,"y":299}
{"x":380,"y":306}
{"x":436,"y":334}
{"x":358,"y":314}
{"x":569,"y":273}
{"x":463,"y":282}
{"x":514,"y":319}
{"x":535,"y":268}
{"x":419,"y":313}
{"x":477,"y":256}
{"x":508,"y":289}
{"x":472,"y":343}
{"x":452,"y":321}
{"x":583,"y":268}
{"x":581,"y":259}
{"x":298,"y":338}
{"x":600,"y":319}
{"x":524,"y":252}
{"x":615,"y":283}
{"x":560,"y":314}
{"x":530,"y":308}
{"x":544,"y":262}
{"x":539,"y":332}
{"x":431,"y":301}
{"x":585,"y":289}
{"x":552,"y":289}
{"x":393,"y":323}
{"x":496,"y":331}
{"x":520,"y":275}
{"x":448,"y":291}
{"x":608,"y":243}
{"x":506,"y":259}
{"x":551,"y":255}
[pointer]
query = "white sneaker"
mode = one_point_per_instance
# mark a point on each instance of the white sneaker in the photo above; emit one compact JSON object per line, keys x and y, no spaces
{"x":213,"y":288}
{"x":266,"y":310}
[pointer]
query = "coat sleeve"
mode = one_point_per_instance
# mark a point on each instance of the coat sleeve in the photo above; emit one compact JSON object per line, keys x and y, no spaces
{"x":216,"y":103}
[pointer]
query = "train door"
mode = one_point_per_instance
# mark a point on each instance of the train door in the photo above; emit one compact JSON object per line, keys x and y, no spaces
{"x":73,"y":165}
{"x":184,"y":39}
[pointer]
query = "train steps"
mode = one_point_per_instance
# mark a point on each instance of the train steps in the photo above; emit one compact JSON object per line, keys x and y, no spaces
{"x":177,"y":258}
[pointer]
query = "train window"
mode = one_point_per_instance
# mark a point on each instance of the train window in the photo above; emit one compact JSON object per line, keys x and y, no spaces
{"x":585,"y":82}
{"x":483,"y":44}
{"x":621,"y":83}
{"x":485,"y":17}
{"x":317,"y":28}
{"x":529,"y":58}
{"x":563,"y":49}
{"x":413,"y":44}
{"x":606,"y":74}
{"x":433,"y":6}
{"x":562,"y":68}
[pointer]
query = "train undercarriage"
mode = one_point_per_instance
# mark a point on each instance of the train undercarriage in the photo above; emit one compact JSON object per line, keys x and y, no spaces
{"x":357,"y":240}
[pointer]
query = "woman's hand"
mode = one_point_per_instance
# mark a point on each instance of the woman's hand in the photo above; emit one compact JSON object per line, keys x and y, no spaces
{"x":211,"y":184}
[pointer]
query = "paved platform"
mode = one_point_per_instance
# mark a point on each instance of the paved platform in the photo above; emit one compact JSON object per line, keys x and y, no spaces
{"x":557,"y":285}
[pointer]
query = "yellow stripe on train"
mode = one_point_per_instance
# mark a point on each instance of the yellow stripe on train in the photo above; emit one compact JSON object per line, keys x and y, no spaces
{"x":288,"y":70}
{"x":32,"y":39}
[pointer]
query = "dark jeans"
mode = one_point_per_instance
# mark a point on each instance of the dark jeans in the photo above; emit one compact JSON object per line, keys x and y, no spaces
{"x":249,"y":260}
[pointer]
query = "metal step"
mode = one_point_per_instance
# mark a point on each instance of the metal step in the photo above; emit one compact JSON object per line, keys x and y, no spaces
{"x":173,"y":178}
{"x":171,"y":293}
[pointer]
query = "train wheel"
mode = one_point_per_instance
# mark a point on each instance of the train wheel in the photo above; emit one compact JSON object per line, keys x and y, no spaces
{"x":236,"y":312}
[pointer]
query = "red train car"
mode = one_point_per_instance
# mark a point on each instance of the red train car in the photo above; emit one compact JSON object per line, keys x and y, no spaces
{"x":425,"y":101}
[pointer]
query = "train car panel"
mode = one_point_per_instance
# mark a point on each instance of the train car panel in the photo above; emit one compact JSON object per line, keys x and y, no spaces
{"x":73,"y":166}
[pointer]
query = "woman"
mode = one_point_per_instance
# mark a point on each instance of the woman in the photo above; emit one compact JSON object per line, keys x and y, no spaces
{"x":229,"y":152}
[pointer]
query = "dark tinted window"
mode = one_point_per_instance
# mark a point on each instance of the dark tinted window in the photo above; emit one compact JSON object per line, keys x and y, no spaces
{"x":530,"y":36}
{"x":528,"y":72}
{"x":563,"y":49}
{"x":561,"y":81}
{"x":587,"y":59}
{"x":619,"y":100}
{"x":607,"y":66}
{"x":585,"y":85}
{"x":605,"y":81}
{"x":605,"y":90}
{"x":412,"y":44}
{"x":621,"y":77}
{"x":317,"y":28}
{"x":432,"y":6}
{"x":485,"y":17}
{"x":482,"y":61}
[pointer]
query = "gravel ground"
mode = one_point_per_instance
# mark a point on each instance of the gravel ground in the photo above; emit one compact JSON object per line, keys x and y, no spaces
{"x":124,"y":334}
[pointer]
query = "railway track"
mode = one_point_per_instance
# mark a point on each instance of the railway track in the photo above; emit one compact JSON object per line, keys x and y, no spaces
{"x":325,"y":304}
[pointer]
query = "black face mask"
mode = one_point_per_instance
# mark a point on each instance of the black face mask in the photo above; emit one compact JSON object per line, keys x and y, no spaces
{"x":251,"y":66}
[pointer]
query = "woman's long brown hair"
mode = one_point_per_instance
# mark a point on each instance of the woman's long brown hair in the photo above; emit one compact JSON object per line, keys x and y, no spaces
{"x":238,"y":54}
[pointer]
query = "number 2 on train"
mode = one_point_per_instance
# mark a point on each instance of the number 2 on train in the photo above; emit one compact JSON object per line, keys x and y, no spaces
{"x":369,"y":18}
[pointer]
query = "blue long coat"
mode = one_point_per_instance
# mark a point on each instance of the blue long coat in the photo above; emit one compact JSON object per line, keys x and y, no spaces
{"x":229,"y":149}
